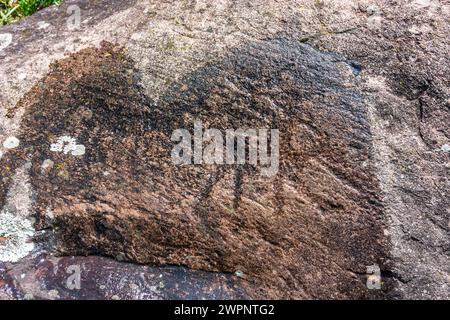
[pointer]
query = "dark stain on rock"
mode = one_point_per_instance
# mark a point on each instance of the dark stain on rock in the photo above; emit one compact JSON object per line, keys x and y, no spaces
{"x":309,"y":232}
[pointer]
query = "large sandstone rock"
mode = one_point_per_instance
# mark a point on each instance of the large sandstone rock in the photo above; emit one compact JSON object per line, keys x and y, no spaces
{"x":358,"y":92}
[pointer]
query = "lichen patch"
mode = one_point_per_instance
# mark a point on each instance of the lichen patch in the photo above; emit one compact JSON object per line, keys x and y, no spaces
{"x":16,"y":233}
{"x":16,"y":224}
{"x":11,"y":143}
{"x":68,"y":145}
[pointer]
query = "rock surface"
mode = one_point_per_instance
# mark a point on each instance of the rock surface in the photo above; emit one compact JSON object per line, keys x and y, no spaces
{"x":47,"y":277}
{"x":358,"y":91}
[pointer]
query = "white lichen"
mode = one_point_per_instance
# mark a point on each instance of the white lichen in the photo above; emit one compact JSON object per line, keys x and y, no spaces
{"x":79,"y":150}
{"x":17,"y":232}
{"x":68,"y":145}
{"x":16,"y":224}
{"x":11,"y":143}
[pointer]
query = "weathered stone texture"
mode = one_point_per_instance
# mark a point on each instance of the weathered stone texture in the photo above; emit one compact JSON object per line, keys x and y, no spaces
{"x":358,"y":91}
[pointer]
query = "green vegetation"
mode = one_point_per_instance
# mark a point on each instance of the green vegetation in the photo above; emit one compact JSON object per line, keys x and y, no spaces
{"x":13,"y":10}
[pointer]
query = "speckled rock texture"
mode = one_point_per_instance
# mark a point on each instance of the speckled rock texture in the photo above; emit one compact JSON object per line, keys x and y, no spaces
{"x":49,"y":277}
{"x":357,"y":89}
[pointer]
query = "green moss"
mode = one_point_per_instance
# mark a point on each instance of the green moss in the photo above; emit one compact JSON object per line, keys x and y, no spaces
{"x":13,"y":10}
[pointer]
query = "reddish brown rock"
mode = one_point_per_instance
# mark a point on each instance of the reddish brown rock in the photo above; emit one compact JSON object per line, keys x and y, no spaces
{"x":306,"y":232}
{"x":362,"y":110}
{"x":93,"y":277}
